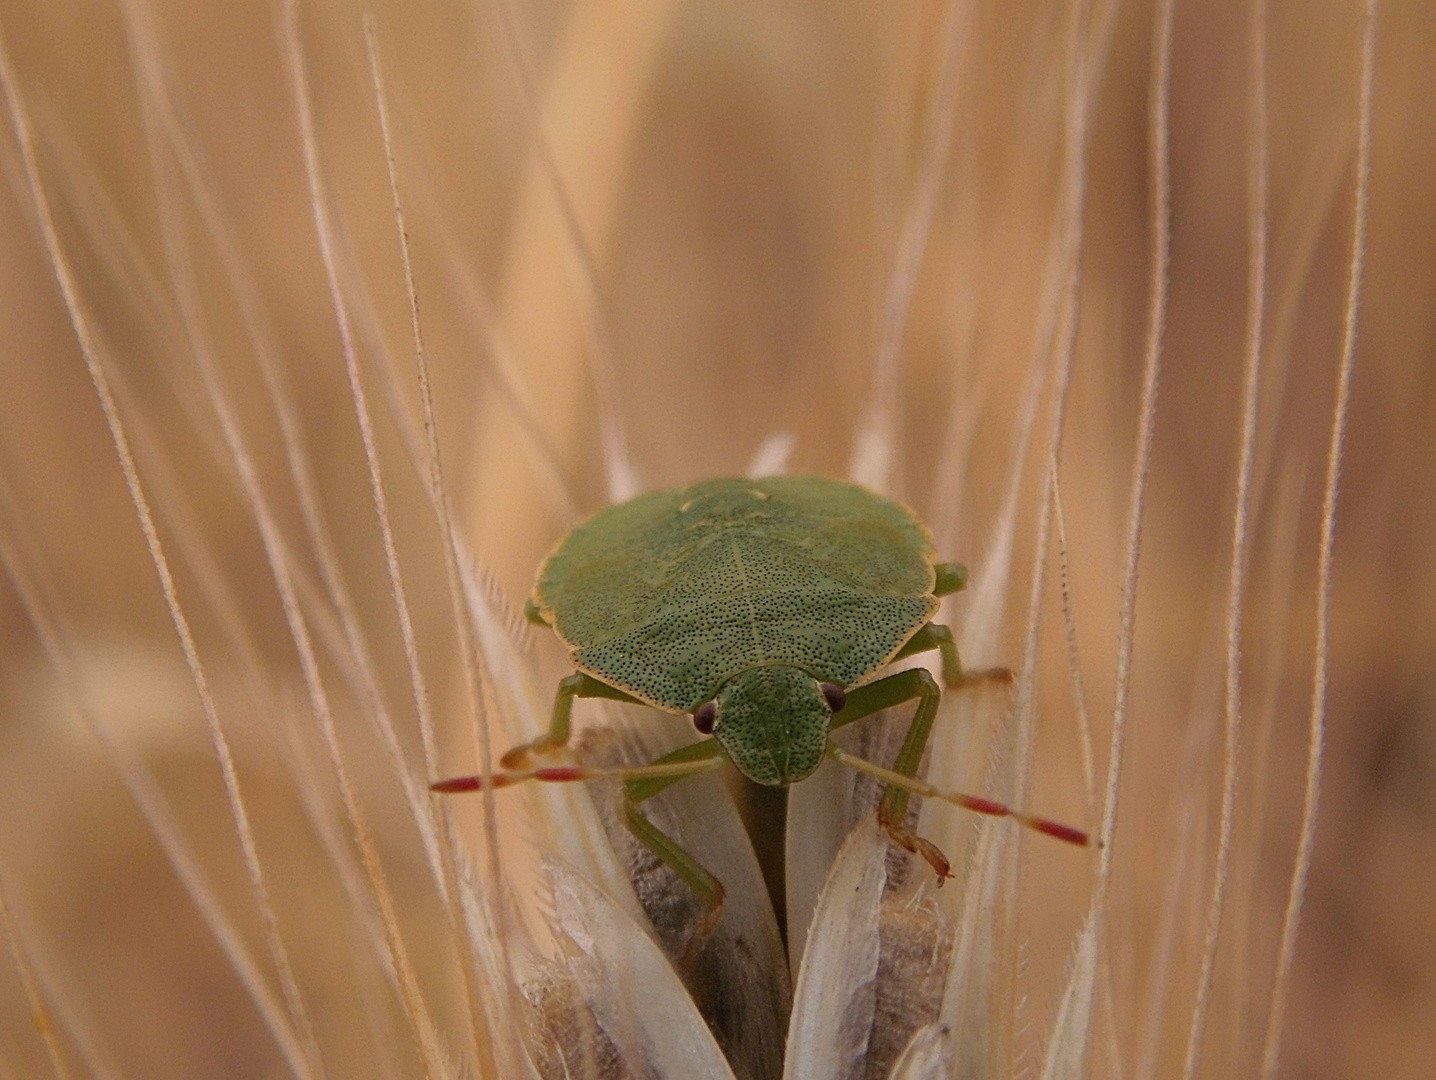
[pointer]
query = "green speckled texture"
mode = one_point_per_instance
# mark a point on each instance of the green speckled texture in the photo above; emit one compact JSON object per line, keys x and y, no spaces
{"x":673,"y":593}
{"x":773,"y":724}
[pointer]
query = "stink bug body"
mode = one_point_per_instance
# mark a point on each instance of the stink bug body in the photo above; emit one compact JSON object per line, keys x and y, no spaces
{"x":766,"y":609}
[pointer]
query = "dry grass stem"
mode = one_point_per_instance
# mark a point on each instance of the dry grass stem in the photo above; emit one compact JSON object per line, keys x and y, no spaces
{"x":415,"y":1008}
{"x":440,"y":501}
{"x":160,"y":109}
{"x":622,"y":480}
{"x":874,"y":440}
{"x":309,"y":1064}
{"x":1282,"y":544}
{"x":1251,"y":381}
{"x":1159,"y":181}
{"x":1291,"y":920}
{"x":1069,"y":629}
{"x":39,"y":1014}
{"x":1159,"y":260}
{"x":59,"y":647}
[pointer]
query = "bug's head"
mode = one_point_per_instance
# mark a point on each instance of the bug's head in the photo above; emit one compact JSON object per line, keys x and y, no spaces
{"x":772,"y":722}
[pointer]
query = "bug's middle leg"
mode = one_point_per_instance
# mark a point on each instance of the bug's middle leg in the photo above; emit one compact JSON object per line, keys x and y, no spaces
{"x":894,"y":690}
{"x":939,"y":637}
{"x":576,"y":685}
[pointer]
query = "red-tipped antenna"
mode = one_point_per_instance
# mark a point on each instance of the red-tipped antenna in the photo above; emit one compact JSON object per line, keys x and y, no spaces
{"x":967,"y":802}
{"x":563,"y":774}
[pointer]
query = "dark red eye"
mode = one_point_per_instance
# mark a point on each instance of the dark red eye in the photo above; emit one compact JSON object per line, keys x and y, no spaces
{"x":834,"y":693}
{"x":704,"y":715}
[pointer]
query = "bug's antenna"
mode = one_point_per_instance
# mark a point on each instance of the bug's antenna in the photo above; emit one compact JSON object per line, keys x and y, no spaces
{"x":957,"y":798}
{"x":559,"y":774}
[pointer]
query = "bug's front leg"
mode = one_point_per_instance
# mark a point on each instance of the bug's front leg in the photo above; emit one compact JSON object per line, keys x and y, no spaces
{"x":576,"y":685}
{"x":885,"y":693}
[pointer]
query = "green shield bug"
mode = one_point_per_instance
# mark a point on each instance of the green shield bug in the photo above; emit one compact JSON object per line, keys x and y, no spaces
{"x":765,"y":609}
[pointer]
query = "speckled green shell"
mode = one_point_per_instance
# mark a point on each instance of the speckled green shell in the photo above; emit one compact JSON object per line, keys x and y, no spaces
{"x":673,"y":593}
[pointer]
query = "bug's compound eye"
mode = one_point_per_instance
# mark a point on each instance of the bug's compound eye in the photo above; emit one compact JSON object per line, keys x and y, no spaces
{"x":704,"y":715}
{"x":835,"y":695}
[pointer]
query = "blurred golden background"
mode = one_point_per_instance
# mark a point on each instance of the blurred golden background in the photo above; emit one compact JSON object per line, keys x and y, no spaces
{"x":741,"y":172}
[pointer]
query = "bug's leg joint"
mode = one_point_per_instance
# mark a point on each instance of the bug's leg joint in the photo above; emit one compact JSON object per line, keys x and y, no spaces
{"x":950,"y":577}
{"x":568,"y":688}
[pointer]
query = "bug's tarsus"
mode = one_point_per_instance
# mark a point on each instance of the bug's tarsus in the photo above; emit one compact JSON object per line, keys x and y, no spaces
{"x":954,"y":676}
{"x":995,"y":676}
{"x":520,"y":757}
{"x":917,"y":845}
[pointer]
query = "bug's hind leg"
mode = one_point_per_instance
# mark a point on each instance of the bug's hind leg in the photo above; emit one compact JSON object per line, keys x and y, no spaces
{"x":939,"y":637}
{"x":576,"y":685}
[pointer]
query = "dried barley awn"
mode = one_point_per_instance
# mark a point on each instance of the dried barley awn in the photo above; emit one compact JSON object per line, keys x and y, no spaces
{"x":764,"y":608}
